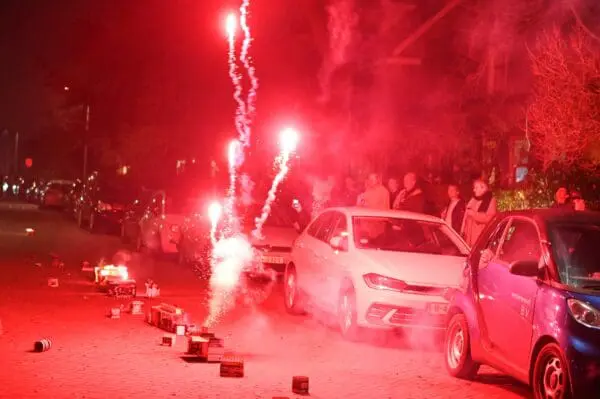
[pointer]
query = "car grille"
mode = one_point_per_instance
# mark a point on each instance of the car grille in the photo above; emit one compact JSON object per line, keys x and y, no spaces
{"x":269,"y":248}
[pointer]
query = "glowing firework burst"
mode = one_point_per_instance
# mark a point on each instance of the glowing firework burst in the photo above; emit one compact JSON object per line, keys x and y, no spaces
{"x":214,"y":214}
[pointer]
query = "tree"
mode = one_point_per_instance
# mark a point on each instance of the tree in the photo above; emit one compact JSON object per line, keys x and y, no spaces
{"x":564,"y":116}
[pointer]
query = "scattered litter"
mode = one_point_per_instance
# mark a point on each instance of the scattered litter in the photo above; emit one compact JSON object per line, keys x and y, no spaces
{"x":232,"y":366}
{"x":30,"y":232}
{"x":121,"y":288}
{"x":53,"y":282}
{"x":42,"y":345}
{"x":168,"y":339}
{"x":115,"y":313}
{"x":37,"y":264}
{"x":136,"y":307}
{"x":300,"y":385}
{"x":207,"y":347}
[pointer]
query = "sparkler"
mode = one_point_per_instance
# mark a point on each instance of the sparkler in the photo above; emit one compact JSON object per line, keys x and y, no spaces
{"x":288,"y":143}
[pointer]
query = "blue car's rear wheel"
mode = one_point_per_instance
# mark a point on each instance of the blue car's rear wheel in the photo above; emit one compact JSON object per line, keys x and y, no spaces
{"x":550,"y":374}
{"x":458,"y":349}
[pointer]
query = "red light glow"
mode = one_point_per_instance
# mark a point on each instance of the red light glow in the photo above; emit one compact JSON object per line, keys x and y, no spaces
{"x":288,"y":140}
{"x":231,"y":24}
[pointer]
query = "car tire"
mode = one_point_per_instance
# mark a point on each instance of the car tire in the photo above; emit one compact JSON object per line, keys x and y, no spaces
{"x":80,"y":219}
{"x":346,"y":314}
{"x":92,"y":225}
{"x":550,"y":374}
{"x":292,"y":295}
{"x":457,"y":349}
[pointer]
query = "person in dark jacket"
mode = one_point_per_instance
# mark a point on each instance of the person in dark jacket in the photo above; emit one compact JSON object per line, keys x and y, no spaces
{"x":411,"y":198}
{"x":454,"y":212}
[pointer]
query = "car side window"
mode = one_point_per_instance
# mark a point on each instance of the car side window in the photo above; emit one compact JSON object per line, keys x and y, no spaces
{"x":490,"y":246}
{"x":327,"y":227}
{"x":340,"y":225}
{"x":522,"y":242}
{"x":314,"y":227}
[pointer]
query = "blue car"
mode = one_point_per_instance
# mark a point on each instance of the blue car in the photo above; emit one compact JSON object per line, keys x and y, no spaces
{"x":529,"y":304}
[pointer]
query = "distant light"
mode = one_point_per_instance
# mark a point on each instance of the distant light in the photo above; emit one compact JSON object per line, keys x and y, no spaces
{"x":67,"y":88}
{"x":288,"y":140}
{"x":231,"y":24}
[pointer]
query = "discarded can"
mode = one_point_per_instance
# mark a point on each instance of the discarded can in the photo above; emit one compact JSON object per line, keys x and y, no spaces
{"x":168,"y":339}
{"x":232,"y":366}
{"x":53,"y":282}
{"x":115,"y":313}
{"x":136,"y":307}
{"x":300,"y":385}
{"x":42,"y":345}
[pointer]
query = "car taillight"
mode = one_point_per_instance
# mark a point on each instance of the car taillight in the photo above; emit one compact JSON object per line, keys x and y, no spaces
{"x":379,"y":282}
{"x":103,"y":206}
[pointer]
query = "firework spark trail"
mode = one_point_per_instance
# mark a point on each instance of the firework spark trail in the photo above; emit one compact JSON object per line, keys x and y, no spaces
{"x":240,"y":115}
{"x":289,"y":140}
{"x":232,"y":157}
{"x":214,"y":214}
{"x":250,"y":108}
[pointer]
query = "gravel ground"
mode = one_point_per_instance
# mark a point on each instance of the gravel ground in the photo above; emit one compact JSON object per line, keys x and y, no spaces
{"x":96,"y":357}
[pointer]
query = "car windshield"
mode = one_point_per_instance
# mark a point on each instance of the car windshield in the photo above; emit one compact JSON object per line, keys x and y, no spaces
{"x":62,"y":187}
{"x":575,"y":248}
{"x":406,"y":235}
{"x":278,"y":217}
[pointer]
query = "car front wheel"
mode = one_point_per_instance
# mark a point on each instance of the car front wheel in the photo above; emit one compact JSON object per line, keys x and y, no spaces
{"x":292,"y":295}
{"x":347,"y":318}
{"x":458,"y":349}
{"x":550,"y":374}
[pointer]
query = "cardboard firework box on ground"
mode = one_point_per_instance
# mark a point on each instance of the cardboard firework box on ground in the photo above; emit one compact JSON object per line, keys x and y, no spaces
{"x":121,"y":288}
{"x":167,"y":317}
{"x":232,"y":366}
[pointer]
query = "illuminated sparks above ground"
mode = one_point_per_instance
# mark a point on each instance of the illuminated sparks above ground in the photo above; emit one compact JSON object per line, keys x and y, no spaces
{"x":214,"y":214}
{"x":240,"y":115}
{"x":288,"y":141}
{"x":244,"y":57}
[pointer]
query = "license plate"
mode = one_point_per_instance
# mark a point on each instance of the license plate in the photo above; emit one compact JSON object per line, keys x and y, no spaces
{"x":272,"y":259}
{"x":438,"y":308}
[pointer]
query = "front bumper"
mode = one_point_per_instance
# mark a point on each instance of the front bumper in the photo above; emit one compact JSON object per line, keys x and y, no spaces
{"x":583,"y":356}
{"x":391,"y":309}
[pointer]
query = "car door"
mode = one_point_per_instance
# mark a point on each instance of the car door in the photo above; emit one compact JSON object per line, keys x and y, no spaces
{"x":303,"y":254}
{"x":335,"y":262}
{"x":517,"y":294}
{"x":488,"y":290}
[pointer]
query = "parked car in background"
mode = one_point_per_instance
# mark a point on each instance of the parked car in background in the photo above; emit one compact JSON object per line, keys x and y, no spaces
{"x":54,"y":194}
{"x":529,"y":304}
{"x":159,"y":226}
{"x":375,"y":268}
{"x":103,"y":201}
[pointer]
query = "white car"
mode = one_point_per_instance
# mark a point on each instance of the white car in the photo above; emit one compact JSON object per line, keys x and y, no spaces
{"x":375,"y":268}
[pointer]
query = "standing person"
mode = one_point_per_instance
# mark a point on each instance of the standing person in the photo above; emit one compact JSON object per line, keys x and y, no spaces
{"x":578,"y":201}
{"x":561,"y":199}
{"x":480,"y":210}
{"x":300,"y":218}
{"x":350,"y":193}
{"x":375,"y":196}
{"x":411,"y":198}
{"x":454,"y":212}
{"x":394,"y":189}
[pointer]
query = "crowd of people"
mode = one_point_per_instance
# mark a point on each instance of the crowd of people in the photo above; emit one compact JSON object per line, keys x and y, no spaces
{"x":468,"y":218}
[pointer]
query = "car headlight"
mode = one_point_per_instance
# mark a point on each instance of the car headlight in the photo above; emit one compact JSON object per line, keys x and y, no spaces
{"x":584,"y":313}
{"x":379,"y":282}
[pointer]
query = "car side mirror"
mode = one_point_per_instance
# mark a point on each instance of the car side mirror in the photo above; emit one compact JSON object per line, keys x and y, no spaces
{"x":339,"y":243}
{"x":526,"y":268}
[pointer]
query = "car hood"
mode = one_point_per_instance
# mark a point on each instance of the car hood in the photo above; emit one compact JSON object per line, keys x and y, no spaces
{"x":275,"y":237}
{"x":414,"y":268}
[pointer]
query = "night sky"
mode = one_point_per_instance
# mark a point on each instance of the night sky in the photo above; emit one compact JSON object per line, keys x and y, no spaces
{"x":144,"y":63}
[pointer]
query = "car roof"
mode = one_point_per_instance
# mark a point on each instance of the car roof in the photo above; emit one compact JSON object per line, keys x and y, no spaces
{"x":369,"y":212}
{"x":557,"y":215}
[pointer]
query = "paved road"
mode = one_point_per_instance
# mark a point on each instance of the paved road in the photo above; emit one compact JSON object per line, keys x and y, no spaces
{"x":95,"y":357}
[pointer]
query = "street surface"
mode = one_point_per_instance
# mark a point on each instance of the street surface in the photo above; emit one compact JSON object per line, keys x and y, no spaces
{"x":96,"y":357}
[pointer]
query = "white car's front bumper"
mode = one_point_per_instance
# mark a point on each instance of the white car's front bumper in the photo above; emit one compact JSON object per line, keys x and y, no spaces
{"x":392,"y":309}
